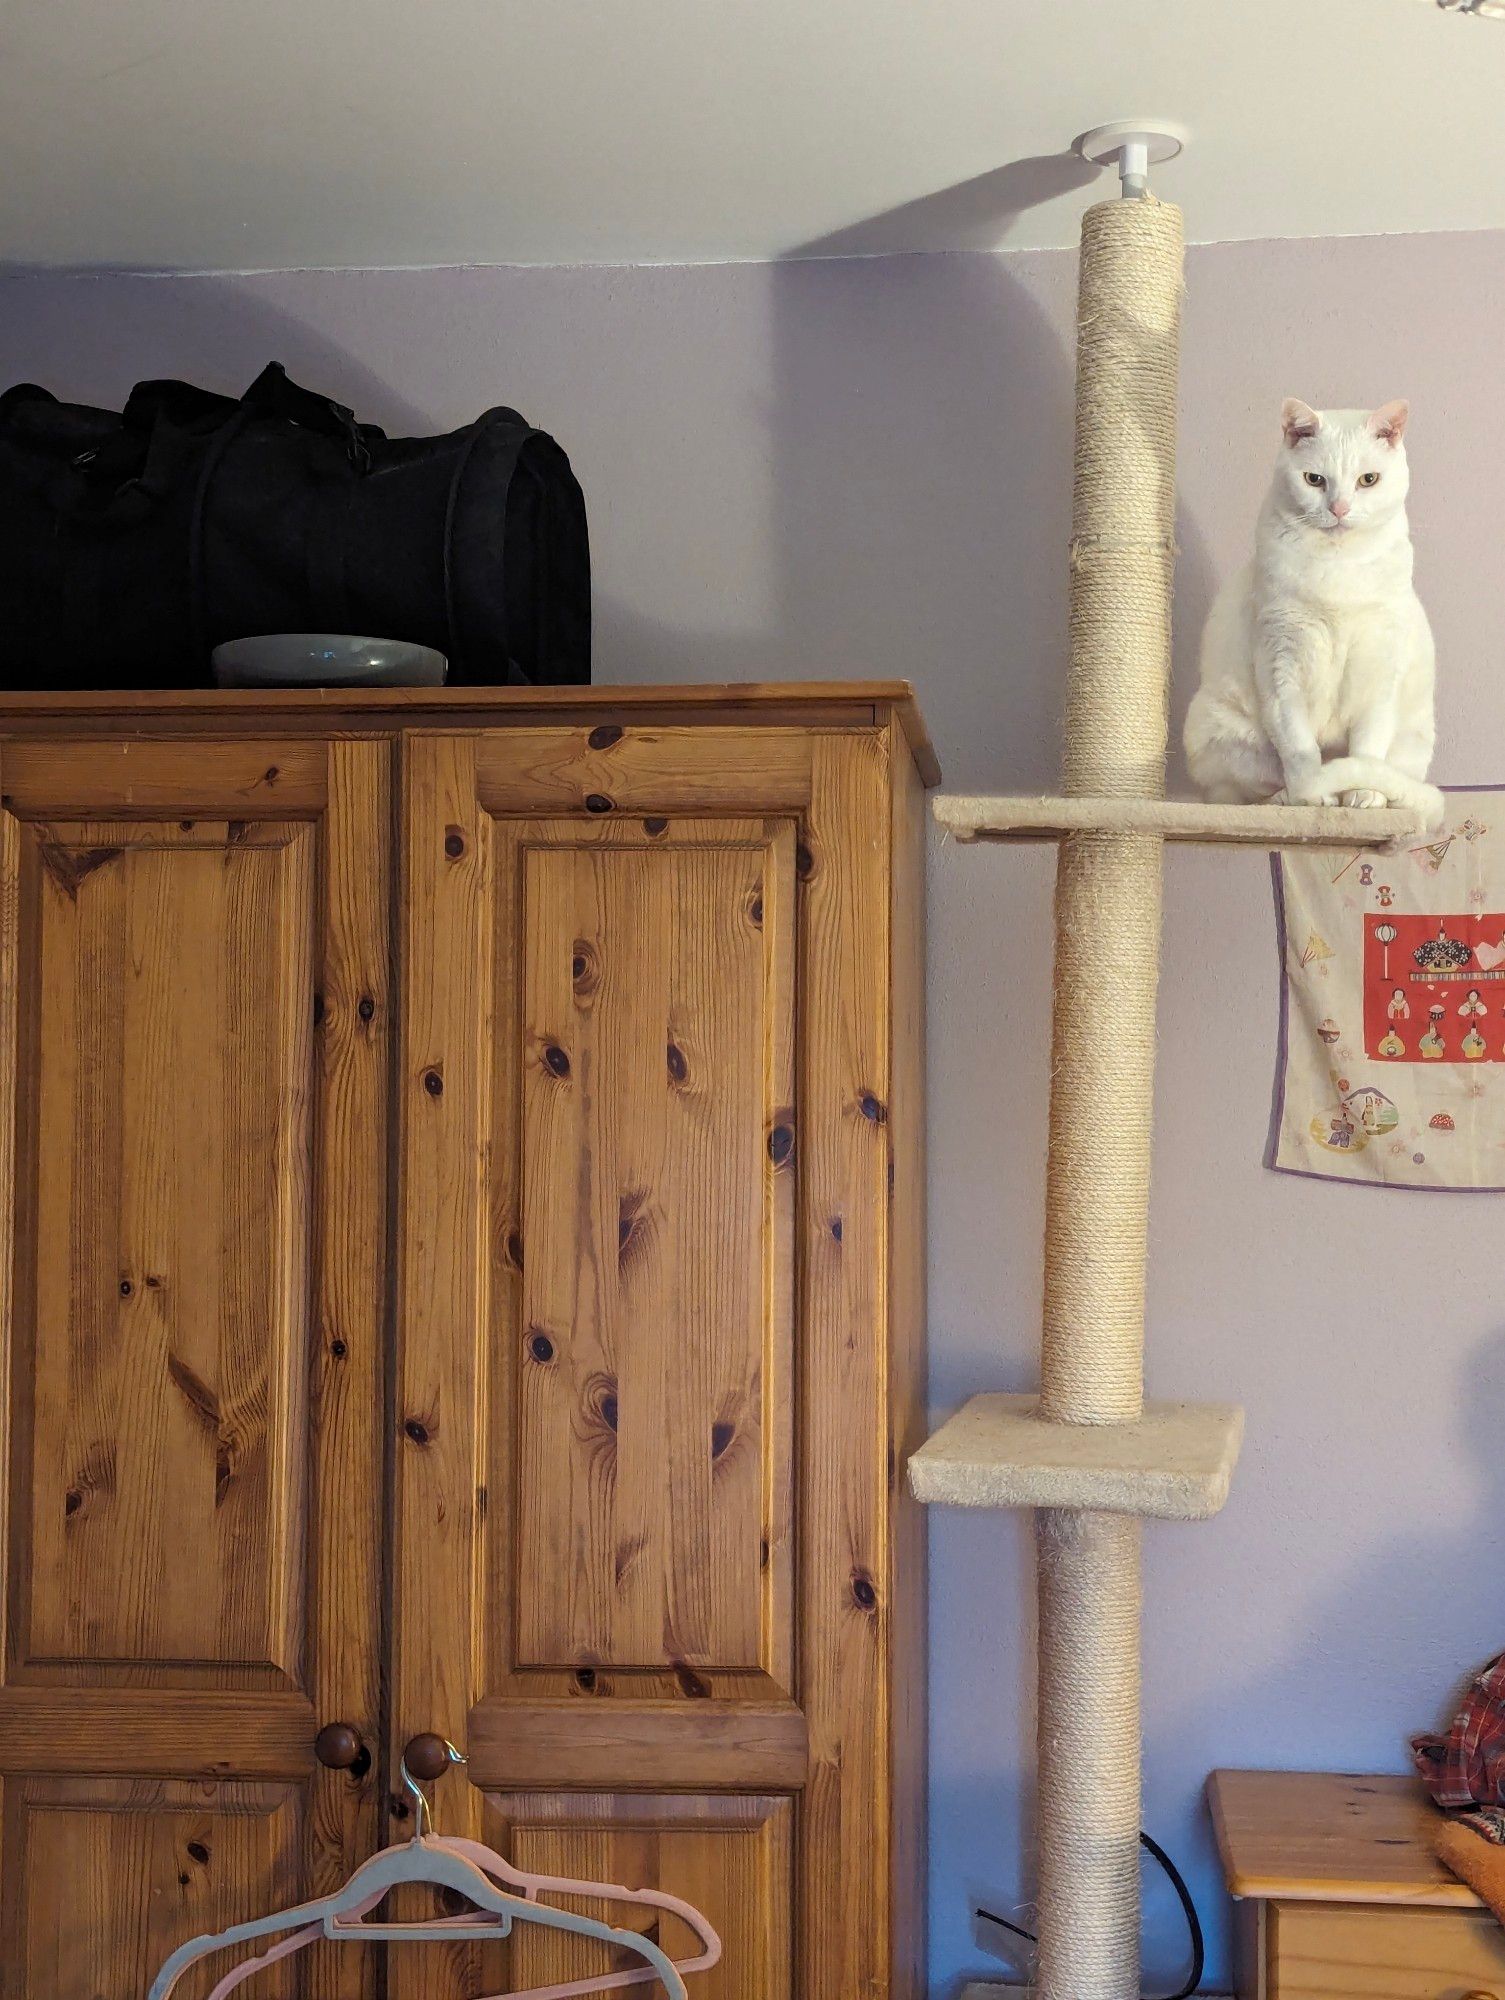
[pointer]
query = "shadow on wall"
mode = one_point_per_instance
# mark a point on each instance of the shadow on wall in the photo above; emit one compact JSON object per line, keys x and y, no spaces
{"x":974,"y":215}
{"x":165,"y":325}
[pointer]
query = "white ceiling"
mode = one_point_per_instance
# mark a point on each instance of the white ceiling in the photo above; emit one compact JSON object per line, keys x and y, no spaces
{"x":246,"y":134}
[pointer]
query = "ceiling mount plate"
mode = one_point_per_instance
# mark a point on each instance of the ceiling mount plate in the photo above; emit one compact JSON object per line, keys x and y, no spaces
{"x":1133,"y":145}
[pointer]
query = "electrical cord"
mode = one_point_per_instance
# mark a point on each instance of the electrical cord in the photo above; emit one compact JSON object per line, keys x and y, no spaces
{"x":1193,"y":1922}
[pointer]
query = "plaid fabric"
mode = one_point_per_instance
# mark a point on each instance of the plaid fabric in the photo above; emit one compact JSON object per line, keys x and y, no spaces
{"x":1465,"y":1769}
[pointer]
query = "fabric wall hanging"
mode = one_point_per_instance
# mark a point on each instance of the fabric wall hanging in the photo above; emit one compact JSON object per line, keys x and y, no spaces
{"x":1391,"y":1065}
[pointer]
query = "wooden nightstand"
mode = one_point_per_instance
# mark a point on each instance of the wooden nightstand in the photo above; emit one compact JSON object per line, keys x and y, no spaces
{"x":1340,"y":1896}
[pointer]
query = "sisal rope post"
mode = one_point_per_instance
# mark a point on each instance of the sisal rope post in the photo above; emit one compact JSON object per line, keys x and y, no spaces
{"x":1107,"y":914}
{"x":1088,"y":1754}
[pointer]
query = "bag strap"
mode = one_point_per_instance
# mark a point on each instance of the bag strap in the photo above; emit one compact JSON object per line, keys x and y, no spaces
{"x":272,"y":394}
{"x":181,"y":404}
{"x":128,"y":475}
{"x":197,"y":607}
{"x":497,"y":415}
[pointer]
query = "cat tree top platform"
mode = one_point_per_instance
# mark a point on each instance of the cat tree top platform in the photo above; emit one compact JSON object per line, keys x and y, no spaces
{"x":1175,"y":1464}
{"x":969,"y":818}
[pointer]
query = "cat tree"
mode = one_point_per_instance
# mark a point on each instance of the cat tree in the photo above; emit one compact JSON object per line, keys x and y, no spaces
{"x":1088,"y":1453}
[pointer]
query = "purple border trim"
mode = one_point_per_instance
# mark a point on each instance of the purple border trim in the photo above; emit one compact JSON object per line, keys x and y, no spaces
{"x":1283,"y":1049}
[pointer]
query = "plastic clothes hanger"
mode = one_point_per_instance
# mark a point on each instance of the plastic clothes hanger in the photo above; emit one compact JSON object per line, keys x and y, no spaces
{"x":531,"y":1886}
{"x":440,"y":1755}
{"x":466,"y":1867}
{"x":417,"y":1860}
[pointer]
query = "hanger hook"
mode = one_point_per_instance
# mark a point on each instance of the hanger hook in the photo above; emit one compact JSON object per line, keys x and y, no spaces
{"x":425,"y":1812}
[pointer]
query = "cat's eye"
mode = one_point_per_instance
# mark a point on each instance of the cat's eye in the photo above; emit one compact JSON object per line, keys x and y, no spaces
{"x":1314,"y":479}
{"x":1369,"y":479}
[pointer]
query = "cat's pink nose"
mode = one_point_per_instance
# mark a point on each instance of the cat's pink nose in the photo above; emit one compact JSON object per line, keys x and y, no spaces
{"x":1338,"y":508}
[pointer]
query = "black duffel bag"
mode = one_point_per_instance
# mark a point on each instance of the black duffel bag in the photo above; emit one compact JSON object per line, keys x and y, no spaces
{"x":133,"y":543}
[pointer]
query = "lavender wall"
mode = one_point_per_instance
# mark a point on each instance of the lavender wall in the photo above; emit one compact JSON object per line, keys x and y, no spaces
{"x":861,"y":468}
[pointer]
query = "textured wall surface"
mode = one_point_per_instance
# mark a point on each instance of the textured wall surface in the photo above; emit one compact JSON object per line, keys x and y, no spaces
{"x":861,"y":467}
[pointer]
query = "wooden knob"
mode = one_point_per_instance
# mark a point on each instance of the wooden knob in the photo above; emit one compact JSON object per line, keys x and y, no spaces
{"x":427,"y":1757}
{"x":337,"y":1746}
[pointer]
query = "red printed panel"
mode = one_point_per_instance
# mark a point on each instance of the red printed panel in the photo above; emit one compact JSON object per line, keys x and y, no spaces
{"x":1434,"y":988}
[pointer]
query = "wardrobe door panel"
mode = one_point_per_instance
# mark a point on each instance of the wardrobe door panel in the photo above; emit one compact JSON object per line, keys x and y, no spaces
{"x":648,"y":1453}
{"x":169,"y":1155}
{"x":195,"y":997}
{"x":148,"y":1862}
{"x":599,"y":1170}
{"x":646,"y":1373}
{"x":731,"y":1857}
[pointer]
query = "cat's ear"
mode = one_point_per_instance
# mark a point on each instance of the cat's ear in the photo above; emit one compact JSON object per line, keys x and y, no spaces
{"x":1388,"y":422}
{"x":1298,"y":420}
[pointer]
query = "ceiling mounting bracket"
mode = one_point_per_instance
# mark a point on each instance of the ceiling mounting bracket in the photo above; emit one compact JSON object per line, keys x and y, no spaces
{"x":1134,"y":145}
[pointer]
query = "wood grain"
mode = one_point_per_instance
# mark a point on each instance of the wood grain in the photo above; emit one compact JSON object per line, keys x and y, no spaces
{"x":656,"y":1096}
{"x":731,"y":1857}
{"x":907,"y":1366}
{"x":517,"y":841}
{"x":846,"y":1827}
{"x":443,"y":1364}
{"x":646,"y":1080}
{"x":444,"y":1086}
{"x":108,"y":1875}
{"x":755,"y":1745}
{"x":652,"y":1267}
{"x":347,"y":1349}
{"x":18,"y":1028}
{"x":177,"y":1732}
{"x":633,"y":769}
{"x":170,"y":1152}
{"x":1378,"y":1952}
{"x":192,"y":1532}
{"x":643,"y":1030}
{"x":125,"y":778}
{"x":1331,"y":1836}
{"x":805,"y":704}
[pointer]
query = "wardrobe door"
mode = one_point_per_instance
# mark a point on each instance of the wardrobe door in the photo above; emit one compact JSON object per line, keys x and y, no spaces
{"x":645,"y":1178}
{"x":193,"y":1068}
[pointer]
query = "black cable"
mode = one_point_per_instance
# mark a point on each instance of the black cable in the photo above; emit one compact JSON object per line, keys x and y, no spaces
{"x":1193,"y":1922}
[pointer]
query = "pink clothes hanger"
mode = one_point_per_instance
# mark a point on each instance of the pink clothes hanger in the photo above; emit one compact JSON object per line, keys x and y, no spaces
{"x":531,"y":1886}
{"x":430,"y":1857}
{"x":417,"y":1860}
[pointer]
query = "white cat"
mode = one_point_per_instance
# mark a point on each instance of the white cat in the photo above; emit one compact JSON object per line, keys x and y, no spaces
{"x":1317,"y":659}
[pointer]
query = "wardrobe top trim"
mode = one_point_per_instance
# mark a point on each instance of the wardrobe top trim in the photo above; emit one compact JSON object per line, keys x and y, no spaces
{"x":375,"y":711}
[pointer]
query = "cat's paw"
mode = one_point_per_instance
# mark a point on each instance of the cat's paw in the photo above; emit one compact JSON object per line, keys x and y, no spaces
{"x":1363,"y":797}
{"x":1301,"y":795}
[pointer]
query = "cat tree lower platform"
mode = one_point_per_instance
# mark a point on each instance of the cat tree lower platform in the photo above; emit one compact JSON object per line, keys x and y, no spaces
{"x":1174,"y":1463}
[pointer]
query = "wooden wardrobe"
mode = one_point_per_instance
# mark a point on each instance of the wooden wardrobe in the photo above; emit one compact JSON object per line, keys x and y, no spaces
{"x":464,"y":1272}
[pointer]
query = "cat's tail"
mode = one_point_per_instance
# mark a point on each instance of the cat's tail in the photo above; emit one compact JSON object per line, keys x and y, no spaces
{"x":1372,"y":774}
